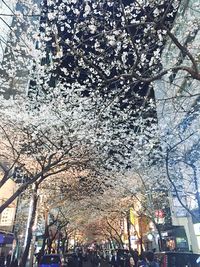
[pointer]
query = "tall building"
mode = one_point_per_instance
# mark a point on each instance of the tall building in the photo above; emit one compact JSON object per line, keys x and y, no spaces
{"x":18,"y":24}
{"x":178,"y":109}
{"x":6,"y":11}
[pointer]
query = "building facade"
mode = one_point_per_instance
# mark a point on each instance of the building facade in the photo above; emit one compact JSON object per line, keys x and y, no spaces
{"x":18,"y":24}
{"x":7,"y":218}
{"x":6,"y":11}
{"x":178,"y":109}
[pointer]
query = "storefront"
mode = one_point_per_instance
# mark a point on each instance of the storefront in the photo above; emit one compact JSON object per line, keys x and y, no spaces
{"x":175,"y":239}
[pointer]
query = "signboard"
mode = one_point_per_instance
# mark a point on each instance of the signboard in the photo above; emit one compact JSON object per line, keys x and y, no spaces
{"x":159,"y":216}
{"x":132,"y":216}
{"x":6,"y":238}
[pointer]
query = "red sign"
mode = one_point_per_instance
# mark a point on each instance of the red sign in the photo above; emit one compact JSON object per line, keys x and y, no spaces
{"x":159,"y":214}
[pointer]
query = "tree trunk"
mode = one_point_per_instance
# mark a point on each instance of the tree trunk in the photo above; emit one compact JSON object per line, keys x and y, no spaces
{"x":63,"y":241}
{"x":196,"y":186}
{"x":46,"y":232}
{"x":59,"y":241}
{"x":118,"y":242}
{"x":44,"y":243}
{"x":50,"y":241}
{"x":161,"y":247}
{"x":30,"y":231}
{"x":128,"y":231}
{"x":67,"y":244}
{"x":140,"y":234}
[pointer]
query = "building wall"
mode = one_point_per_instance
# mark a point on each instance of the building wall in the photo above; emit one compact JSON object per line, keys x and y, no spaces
{"x":178,"y":109}
{"x":5,"y":22}
{"x":8,"y":215}
{"x":18,"y":44}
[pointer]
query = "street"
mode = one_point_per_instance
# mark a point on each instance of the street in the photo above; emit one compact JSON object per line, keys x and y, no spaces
{"x":88,"y":264}
{"x":99,"y":133}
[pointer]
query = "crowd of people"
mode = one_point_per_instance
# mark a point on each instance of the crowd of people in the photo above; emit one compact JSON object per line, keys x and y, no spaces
{"x":79,"y":256}
{"x":133,"y":259}
{"x":95,"y":258}
{"x":7,"y":261}
{"x":118,"y":258}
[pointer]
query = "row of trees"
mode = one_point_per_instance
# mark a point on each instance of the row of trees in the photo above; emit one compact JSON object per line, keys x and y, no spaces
{"x":72,"y":114}
{"x":91,"y":110}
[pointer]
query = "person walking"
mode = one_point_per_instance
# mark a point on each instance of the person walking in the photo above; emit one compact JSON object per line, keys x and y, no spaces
{"x":142,"y":260}
{"x":135,"y":255}
{"x":96,"y":259}
{"x":14,"y":263}
{"x":2,"y":260}
{"x":38,"y":256}
{"x":80,"y":258}
{"x":8,"y":259}
{"x":150,"y":259}
{"x":114,"y":260}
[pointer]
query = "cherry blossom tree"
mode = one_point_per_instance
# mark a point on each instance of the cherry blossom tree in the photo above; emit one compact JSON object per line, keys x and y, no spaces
{"x":90,"y":99}
{"x":41,"y":155}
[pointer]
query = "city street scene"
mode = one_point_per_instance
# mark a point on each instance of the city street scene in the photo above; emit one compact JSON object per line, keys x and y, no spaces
{"x":99,"y":133}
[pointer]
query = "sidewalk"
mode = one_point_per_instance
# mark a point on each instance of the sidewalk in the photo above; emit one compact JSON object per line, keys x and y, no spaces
{"x":103,"y":264}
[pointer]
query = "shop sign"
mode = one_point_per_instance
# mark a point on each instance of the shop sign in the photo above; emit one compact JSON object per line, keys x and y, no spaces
{"x":159,"y":214}
{"x":160,"y":220}
{"x":164,"y":234}
{"x":133,"y":237}
{"x":6,"y":238}
{"x":2,"y":237}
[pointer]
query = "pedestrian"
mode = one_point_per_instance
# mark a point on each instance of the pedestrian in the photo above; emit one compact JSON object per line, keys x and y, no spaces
{"x":38,"y":256}
{"x":150,"y":259}
{"x":132,"y":262}
{"x":96,"y":259}
{"x":80,"y":258}
{"x":142,"y":260}
{"x":2,"y":260}
{"x":8,"y":259}
{"x":53,"y":251}
{"x":124,"y":259}
{"x":114,"y":259}
{"x":77,"y":260}
{"x":135,"y":255}
{"x":14,"y":263}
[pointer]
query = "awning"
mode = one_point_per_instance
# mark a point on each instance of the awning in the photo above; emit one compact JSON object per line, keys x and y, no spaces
{"x":6,"y":238}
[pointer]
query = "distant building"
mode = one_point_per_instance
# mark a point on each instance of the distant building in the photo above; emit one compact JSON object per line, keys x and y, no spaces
{"x":17,"y":22}
{"x":6,"y":11}
{"x":7,"y":217}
